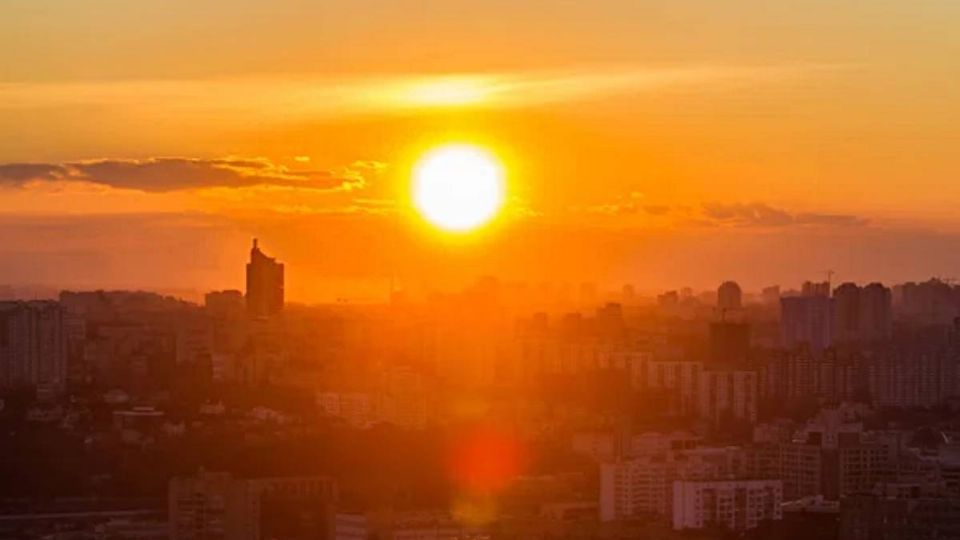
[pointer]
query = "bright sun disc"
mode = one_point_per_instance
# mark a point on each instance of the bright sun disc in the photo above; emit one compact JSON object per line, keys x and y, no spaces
{"x":458,"y":187}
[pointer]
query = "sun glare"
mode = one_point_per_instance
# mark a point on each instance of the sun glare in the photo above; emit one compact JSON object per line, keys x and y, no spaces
{"x":458,"y":187}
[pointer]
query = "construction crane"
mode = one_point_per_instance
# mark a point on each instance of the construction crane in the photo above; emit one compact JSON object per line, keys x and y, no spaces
{"x":829,"y":274}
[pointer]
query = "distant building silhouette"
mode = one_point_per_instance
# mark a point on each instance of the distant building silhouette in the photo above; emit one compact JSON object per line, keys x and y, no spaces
{"x":931,"y":302}
{"x":224,"y":304}
{"x":729,"y":342}
{"x":876,"y":313}
{"x":862,"y":314}
{"x":729,"y":296}
{"x":264,"y":284}
{"x":771,"y":295}
{"x":33,"y":345}
{"x":219,"y":505}
{"x":668,"y":299}
{"x":846,"y":313}
{"x":816,"y":289}
{"x":807,"y":320}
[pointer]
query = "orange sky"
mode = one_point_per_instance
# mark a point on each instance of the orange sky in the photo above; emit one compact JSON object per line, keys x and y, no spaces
{"x":143,"y":143}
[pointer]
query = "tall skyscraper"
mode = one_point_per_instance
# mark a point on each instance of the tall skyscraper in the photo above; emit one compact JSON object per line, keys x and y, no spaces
{"x":264,"y":284}
{"x":729,"y":296}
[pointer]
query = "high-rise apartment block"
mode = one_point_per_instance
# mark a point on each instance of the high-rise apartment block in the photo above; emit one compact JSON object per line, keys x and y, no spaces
{"x":862,"y":314}
{"x":33,"y":344}
{"x":807,"y":321}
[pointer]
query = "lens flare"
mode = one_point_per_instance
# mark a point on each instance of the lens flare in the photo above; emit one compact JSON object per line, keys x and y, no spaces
{"x":485,"y":460}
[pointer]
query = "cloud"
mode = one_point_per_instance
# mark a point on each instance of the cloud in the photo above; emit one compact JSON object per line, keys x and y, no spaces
{"x":338,"y":96}
{"x":546,"y":87}
{"x":657,"y":209}
{"x":762,"y":215}
{"x":756,"y":215}
{"x":624,"y":205}
{"x":164,"y":174}
{"x":19,"y":173}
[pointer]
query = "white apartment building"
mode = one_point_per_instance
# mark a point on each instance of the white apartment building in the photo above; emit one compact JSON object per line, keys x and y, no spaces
{"x":643,"y":486}
{"x":737,"y":505}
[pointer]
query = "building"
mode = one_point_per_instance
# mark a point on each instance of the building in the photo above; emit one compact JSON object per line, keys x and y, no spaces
{"x":430,"y":526}
{"x":737,"y":505}
{"x":725,"y":395}
{"x":862,"y":315}
{"x":912,"y":377}
{"x":219,"y":506}
{"x":264,"y":284}
{"x":404,"y":398}
{"x":674,"y":383}
{"x":729,"y":342}
{"x":357,"y":409}
{"x":126,"y":528}
{"x":809,"y":517}
{"x":797,"y":375}
{"x":729,"y":297}
{"x":876,"y":313}
{"x":194,"y":341}
{"x":861,"y":464}
{"x":869,"y":517}
{"x":807,"y":321}
{"x":797,"y":465}
{"x":33,"y":344}
{"x":643,"y":486}
{"x":771,"y":295}
{"x":600,"y":446}
{"x":350,"y":527}
{"x":227,"y":304}
{"x":811,"y":288}
{"x":137,"y":421}
{"x":931,"y":302}
{"x":846,"y":313}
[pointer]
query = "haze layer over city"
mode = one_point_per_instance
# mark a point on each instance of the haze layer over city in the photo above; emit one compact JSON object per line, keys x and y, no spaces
{"x":479,"y":270}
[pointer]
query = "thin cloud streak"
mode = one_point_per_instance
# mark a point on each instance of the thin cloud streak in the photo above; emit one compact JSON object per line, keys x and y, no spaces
{"x":763,"y":215}
{"x":337,"y":96}
{"x":712,"y":214}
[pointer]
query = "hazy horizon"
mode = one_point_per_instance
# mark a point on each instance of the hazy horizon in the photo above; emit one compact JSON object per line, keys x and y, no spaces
{"x":146,"y":143}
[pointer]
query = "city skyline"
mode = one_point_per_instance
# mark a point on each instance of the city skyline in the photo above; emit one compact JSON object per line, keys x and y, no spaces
{"x":806,"y":137}
{"x":479,"y":270}
{"x":482,"y":413}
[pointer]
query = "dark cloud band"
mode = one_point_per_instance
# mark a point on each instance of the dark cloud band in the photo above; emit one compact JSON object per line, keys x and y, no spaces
{"x":173,"y":174}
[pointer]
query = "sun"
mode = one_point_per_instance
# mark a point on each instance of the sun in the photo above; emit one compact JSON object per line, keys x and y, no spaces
{"x":458,"y":187}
